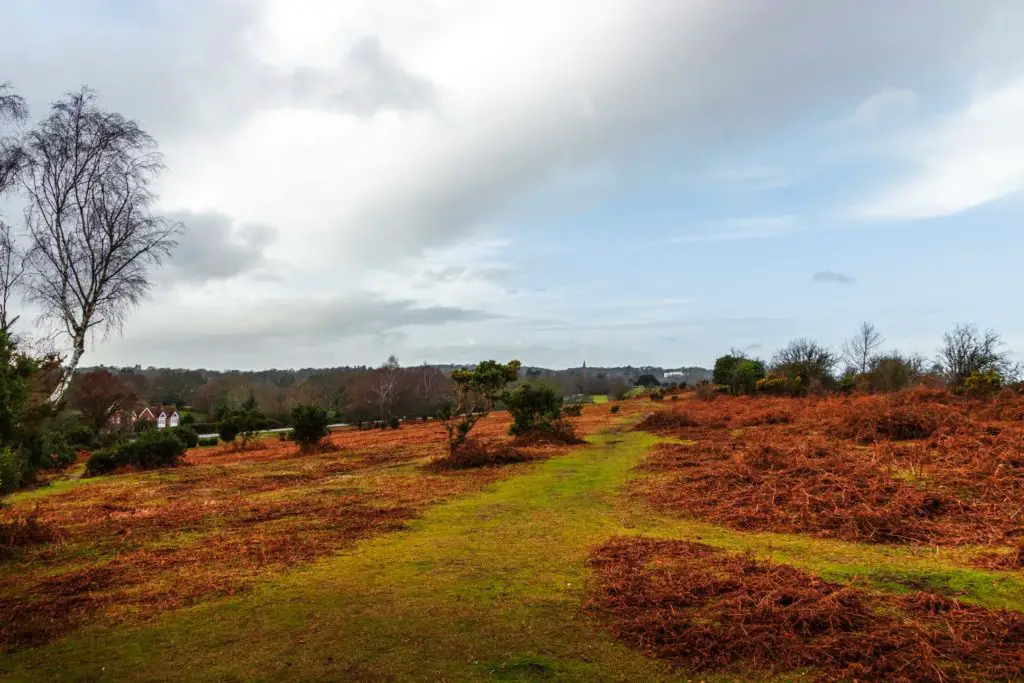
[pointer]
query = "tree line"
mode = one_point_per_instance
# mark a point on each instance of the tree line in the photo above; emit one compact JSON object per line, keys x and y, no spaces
{"x":967,"y":359}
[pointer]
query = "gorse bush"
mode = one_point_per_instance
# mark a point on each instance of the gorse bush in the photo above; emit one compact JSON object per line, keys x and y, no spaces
{"x":781,"y":386}
{"x":228,"y":429}
{"x":309,"y":425}
{"x":187,"y":436}
{"x":79,"y":436}
{"x":246,"y":422}
{"x":208,"y":441}
{"x":151,"y":450}
{"x":572,"y":410}
{"x":102,"y":462}
{"x":475,"y":392}
{"x":12,"y":468}
{"x":48,"y":450}
{"x":982,"y":383}
{"x":532,"y":406}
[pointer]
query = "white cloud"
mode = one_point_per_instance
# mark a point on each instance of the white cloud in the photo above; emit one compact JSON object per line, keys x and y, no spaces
{"x":888,"y":105}
{"x":971,"y":158}
{"x":754,"y":177}
{"x":755,"y":227}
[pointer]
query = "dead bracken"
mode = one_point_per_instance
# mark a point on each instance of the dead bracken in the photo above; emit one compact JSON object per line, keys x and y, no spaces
{"x":708,"y":610}
{"x":916,"y":467}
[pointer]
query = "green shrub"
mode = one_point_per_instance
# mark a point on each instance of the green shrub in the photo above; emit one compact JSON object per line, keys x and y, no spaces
{"x":725,"y":366}
{"x":151,"y":450}
{"x":109,"y":439}
{"x":12,"y":467}
{"x":745,"y":375}
{"x":394,"y":422}
{"x":246,"y":422}
{"x":474,"y":392}
{"x":309,"y":425}
{"x":79,"y":436}
{"x":188,"y":436}
{"x":614,"y":409}
{"x":657,"y":396}
{"x":572,"y":410}
{"x":101,"y":462}
{"x":208,"y":441}
{"x":532,"y":406}
{"x":228,"y":428}
{"x":48,"y":450}
{"x":674,"y":397}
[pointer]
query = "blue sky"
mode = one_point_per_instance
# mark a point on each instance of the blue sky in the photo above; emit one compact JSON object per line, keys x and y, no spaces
{"x":620,"y":182}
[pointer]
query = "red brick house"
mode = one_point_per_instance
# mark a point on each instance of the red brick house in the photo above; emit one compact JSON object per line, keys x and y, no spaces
{"x":161,"y":416}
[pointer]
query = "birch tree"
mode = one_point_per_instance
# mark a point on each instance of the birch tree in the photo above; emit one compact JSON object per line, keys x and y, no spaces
{"x":94,"y":234}
{"x":12,"y":108}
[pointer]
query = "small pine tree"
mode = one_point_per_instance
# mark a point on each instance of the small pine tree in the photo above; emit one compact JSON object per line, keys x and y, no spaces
{"x":309,"y":424}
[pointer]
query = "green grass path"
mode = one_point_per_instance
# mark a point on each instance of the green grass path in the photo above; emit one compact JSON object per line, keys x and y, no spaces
{"x":483,"y":588}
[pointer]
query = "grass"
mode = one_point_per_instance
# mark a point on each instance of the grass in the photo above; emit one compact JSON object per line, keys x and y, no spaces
{"x":484,"y":586}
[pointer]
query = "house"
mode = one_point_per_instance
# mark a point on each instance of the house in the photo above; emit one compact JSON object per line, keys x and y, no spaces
{"x":161,"y":416}
{"x":147,"y":414}
{"x":168,"y":417}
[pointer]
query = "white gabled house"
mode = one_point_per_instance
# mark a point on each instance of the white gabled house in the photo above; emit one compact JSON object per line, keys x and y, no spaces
{"x":167,"y":419}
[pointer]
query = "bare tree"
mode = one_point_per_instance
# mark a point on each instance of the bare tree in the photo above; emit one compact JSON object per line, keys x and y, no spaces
{"x":12,"y":107}
{"x":429,"y":377}
{"x":12,"y":268}
{"x":805,"y":360}
{"x":385,"y":386}
{"x":860,"y":349}
{"x":93,"y":233}
{"x":966,"y":350}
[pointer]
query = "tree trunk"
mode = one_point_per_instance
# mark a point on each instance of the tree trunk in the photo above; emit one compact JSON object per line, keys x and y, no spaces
{"x":68,"y":375}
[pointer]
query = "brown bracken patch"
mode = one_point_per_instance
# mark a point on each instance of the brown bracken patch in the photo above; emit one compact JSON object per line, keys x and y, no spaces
{"x":917,"y":467}
{"x":708,"y":610}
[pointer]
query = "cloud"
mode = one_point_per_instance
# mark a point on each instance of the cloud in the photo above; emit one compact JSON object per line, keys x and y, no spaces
{"x":968,"y":159}
{"x":885,"y":106}
{"x":506,"y":125}
{"x":756,"y":227}
{"x":280,"y":332}
{"x":377,"y":81}
{"x":216,"y":247}
{"x":383,"y":142}
{"x":754,"y":178}
{"x":833,"y":277}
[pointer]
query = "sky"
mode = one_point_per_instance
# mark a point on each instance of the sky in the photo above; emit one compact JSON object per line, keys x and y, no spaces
{"x":645,"y":182}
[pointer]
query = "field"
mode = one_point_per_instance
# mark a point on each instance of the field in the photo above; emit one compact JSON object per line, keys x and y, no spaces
{"x":875,"y":538}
